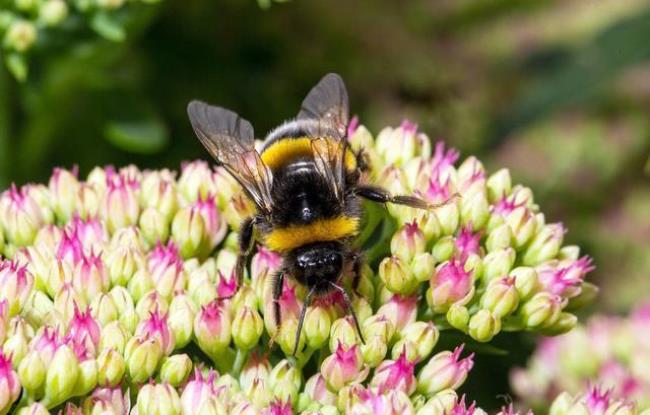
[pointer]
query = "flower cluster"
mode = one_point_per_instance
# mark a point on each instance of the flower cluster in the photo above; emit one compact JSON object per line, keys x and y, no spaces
{"x":118,"y":291}
{"x":24,"y":22}
{"x":611,"y":351}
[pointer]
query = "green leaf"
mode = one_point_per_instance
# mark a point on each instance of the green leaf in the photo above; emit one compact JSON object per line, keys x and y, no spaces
{"x":144,"y":136}
{"x":107,"y":26}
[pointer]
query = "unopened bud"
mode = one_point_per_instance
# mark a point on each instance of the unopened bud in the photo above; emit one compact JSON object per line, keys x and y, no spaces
{"x":484,"y":325}
{"x":175,"y":369}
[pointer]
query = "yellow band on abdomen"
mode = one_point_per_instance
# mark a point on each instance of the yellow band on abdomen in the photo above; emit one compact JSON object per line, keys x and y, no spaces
{"x":294,"y":236}
{"x":285,"y":150}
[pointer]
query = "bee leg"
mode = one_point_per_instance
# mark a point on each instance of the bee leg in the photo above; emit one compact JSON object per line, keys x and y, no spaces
{"x":348,"y":304}
{"x":277,"y":281}
{"x":363,"y":163}
{"x":301,"y":319}
{"x":377,"y":194}
{"x":357,"y":262}
{"x":245,"y":246}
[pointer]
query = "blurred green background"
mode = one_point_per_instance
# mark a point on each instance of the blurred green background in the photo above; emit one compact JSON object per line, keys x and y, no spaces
{"x":557,"y":91}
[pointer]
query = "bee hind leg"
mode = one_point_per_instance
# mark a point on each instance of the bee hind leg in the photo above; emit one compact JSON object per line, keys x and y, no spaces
{"x":379,"y":195}
{"x":246,"y":239}
{"x":277,"y":283}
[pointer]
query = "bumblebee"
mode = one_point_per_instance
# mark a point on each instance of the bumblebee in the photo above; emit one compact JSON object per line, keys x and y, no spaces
{"x":305,"y":185}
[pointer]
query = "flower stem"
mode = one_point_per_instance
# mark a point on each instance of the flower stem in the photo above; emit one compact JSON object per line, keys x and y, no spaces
{"x":240,"y":359}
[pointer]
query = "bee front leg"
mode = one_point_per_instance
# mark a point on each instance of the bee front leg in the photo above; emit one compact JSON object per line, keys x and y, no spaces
{"x":377,"y":194}
{"x":357,"y":263}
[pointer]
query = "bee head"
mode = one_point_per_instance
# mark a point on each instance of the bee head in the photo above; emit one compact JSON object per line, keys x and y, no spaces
{"x":317,"y":264}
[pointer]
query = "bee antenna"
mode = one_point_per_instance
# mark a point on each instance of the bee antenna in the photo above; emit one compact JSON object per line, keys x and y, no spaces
{"x":348,"y":304}
{"x":301,"y":320}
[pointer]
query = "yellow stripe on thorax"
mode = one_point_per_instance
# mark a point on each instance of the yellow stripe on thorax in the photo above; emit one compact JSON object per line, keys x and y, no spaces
{"x":294,"y":236}
{"x":285,"y":150}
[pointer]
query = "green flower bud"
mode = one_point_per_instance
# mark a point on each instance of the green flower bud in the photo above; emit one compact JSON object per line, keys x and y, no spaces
{"x":317,"y":327}
{"x":397,"y":276}
{"x":158,"y":399}
{"x":122,"y":263}
{"x":378,"y":325}
{"x":110,"y":368}
{"x":141,"y":284}
{"x":458,"y":317}
{"x":150,"y":303}
{"x":449,"y":218}
{"x":561,"y":404}
{"x":286,"y":337}
{"x":103,"y":309}
{"x":245,"y":296}
{"x":188,"y":231}
{"x":526,"y":282}
{"x":441,"y":403}
{"x":474,"y":209}
{"x":498,"y":263}
{"x":443,"y":371}
{"x":114,"y":336}
{"x":545,"y":245}
{"x":285,"y":371}
{"x":499,"y":238}
{"x":428,"y":223}
{"x":423,"y":266}
{"x":175,"y":369}
{"x":443,"y":249}
{"x":142,"y":358}
{"x":564,"y":324}
{"x":212,"y":328}
{"x":374,"y":351}
{"x":417,"y":340}
{"x":542,"y":310}
{"x":484,"y":325}
{"x":87,"y":379}
{"x":500,"y":297}
{"x":33,"y":409}
{"x":154,"y":226}
{"x":182,"y":312}
{"x":343,"y":332}
{"x":31,"y":373}
{"x":588,"y":294}
{"x":61,"y":377}
{"x":247,"y":328}
{"x":38,"y":308}
{"x":523,"y":224}
{"x":499,"y":185}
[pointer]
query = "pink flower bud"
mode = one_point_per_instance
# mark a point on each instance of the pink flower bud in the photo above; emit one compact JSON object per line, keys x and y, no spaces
{"x":90,"y":278}
{"x":70,"y":248}
{"x":83,"y":328}
{"x":188,"y":231}
{"x":316,"y":389}
{"x":16,"y":284}
{"x":90,"y":232}
{"x":64,"y":187}
{"x":545,"y":245}
{"x":215,"y":227}
{"x":166,"y":268}
{"x":369,"y":402}
{"x":289,"y":304}
{"x":212,"y":328}
{"x":395,"y":375}
{"x":407,"y":242}
{"x":400,"y":310}
{"x":20,"y":215}
{"x":156,"y":327}
{"x":278,"y":407}
{"x":564,"y":278}
{"x":9,"y":384}
{"x":443,"y":371}
{"x":159,"y":192}
{"x":451,"y":284}
{"x":257,"y":367}
{"x":344,"y":366}
{"x":264,"y":262}
{"x":199,"y":389}
{"x":158,"y":399}
{"x":109,"y":400}
{"x":120,"y":206}
{"x":467,"y":243}
{"x":196,"y":180}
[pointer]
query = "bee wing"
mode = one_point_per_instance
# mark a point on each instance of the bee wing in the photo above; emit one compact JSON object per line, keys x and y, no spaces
{"x":230,"y":140}
{"x":327,"y":103}
{"x":329,"y":160}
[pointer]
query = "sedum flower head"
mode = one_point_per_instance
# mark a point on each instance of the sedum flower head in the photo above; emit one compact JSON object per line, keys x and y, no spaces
{"x":116,"y":286}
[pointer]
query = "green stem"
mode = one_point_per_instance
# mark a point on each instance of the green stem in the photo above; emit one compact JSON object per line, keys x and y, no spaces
{"x":304,"y":357}
{"x":240,"y":359}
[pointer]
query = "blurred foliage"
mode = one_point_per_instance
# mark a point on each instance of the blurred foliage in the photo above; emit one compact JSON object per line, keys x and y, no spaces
{"x":558,"y":91}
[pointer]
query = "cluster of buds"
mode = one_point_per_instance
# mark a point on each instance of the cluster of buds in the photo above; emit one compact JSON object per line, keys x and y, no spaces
{"x":486,"y":257}
{"x":116,"y":288}
{"x":610,"y":351}
{"x":24,"y":22}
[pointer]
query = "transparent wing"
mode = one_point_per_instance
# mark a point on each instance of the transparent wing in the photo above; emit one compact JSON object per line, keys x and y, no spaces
{"x":329,"y":159}
{"x":230,"y":140}
{"x":327,"y":104}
